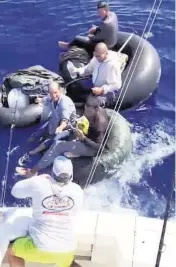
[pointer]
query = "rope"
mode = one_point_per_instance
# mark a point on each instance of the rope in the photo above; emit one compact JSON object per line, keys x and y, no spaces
{"x":134,"y":241}
{"x":5,"y":177}
{"x":77,"y":80}
{"x":75,"y":53}
{"x":107,"y":133}
{"x":166,"y":215}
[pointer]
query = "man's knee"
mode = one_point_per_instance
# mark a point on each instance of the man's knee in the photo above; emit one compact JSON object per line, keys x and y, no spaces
{"x":10,"y":251}
{"x":80,"y":38}
{"x":13,"y":260}
{"x":101,"y":100}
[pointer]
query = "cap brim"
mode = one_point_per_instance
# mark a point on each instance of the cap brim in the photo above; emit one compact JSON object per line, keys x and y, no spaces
{"x":102,"y":5}
{"x":62,"y":177}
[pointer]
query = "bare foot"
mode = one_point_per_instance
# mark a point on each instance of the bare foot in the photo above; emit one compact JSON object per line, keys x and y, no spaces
{"x":25,"y":172}
{"x":63,"y":44}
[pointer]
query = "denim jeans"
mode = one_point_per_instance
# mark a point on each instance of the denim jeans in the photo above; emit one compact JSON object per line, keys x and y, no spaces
{"x":109,"y":100}
{"x":60,"y":148}
{"x":49,"y":139}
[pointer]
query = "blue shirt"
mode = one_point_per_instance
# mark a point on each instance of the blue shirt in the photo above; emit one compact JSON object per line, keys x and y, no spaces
{"x":64,"y":109}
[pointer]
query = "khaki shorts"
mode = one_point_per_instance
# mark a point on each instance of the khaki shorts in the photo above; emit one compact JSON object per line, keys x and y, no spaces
{"x":25,"y":248}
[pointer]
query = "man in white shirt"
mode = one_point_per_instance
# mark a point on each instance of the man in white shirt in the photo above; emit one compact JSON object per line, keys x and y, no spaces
{"x":106,"y":74}
{"x":55,"y":201}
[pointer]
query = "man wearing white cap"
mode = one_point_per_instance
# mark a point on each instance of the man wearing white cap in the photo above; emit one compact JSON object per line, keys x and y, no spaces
{"x":55,"y":201}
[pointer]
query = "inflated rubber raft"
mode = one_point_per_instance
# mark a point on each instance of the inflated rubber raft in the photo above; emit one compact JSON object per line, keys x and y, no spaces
{"x":21,"y":88}
{"x":19,"y":91}
{"x":140,"y":67}
{"x":118,"y":148}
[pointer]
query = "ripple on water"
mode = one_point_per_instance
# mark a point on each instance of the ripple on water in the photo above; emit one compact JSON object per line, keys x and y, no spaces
{"x":29,"y":30}
{"x":151,"y":148}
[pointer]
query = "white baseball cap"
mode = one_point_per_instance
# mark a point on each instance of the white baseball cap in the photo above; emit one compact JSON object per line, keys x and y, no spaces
{"x":62,"y":169}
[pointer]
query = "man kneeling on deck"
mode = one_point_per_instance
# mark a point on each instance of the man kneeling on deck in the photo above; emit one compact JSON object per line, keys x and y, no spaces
{"x":81,"y":146}
{"x":56,"y":201}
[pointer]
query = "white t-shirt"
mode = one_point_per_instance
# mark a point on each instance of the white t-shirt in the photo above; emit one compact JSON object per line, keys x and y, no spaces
{"x":54,"y":212}
{"x":106,"y":74}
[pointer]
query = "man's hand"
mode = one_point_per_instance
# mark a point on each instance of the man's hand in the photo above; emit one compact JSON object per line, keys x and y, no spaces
{"x":71,"y":68}
{"x":97,"y":90}
{"x":58,"y":130}
{"x":80,"y":134}
{"x":92,"y":29}
{"x":38,"y":100}
{"x":61,"y":127}
{"x":90,"y":35}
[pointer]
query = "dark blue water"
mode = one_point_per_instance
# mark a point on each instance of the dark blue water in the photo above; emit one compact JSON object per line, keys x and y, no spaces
{"x":29,"y":31}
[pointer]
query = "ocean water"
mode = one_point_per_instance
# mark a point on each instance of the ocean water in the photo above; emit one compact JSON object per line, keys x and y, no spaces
{"x":29,"y":31}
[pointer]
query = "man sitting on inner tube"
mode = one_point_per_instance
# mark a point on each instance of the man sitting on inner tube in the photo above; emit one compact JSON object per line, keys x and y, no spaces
{"x":106,"y":32}
{"x":106,"y":75}
{"x":83,"y":145}
{"x":61,"y":120}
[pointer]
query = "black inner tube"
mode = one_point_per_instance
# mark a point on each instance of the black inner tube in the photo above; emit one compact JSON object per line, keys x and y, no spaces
{"x":76,"y":87}
{"x":140,"y":78}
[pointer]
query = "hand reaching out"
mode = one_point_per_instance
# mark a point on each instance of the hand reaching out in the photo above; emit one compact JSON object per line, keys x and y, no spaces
{"x":92,"y":29}
{"x":97,"y":90}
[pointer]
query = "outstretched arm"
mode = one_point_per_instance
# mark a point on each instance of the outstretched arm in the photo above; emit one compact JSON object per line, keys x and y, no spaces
{"x":24,"y":188}
{"x":88,"y":69}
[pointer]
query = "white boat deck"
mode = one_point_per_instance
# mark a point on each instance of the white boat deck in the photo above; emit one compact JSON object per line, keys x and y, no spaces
{"x":118,"y":240}
{"x":77,"y":264}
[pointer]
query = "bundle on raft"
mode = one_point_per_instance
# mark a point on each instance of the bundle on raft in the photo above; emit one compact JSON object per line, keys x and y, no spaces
{"x":19,"y":91}
{"x":118,"y":148}
{"x":140,"y":67}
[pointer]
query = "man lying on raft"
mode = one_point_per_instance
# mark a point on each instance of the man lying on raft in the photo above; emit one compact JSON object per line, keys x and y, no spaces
{"x":106,"y":32}
{"x":62,"y":118}
{"x":106,"y":75}
{"x":85,"y":146}
{"x":51,"y":238}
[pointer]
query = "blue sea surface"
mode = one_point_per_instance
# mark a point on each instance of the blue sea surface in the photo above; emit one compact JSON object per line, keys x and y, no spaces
{"x":29,"y":31}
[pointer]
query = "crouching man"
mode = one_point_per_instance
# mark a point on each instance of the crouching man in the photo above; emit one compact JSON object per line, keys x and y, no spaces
{"x":55,"y":201}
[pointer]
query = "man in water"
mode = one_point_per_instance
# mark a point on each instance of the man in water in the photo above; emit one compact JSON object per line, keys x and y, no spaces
{"x":106,"y":74}
{"x":62,"y":118}
{"x":56,"y":201}
{"x":106,"y":32}
{"x":85,"y":145}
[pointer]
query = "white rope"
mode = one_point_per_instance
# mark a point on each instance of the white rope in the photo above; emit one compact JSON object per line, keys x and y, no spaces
{"x":103,"y":143}
{"x":122,"y":47}
{"x":108,"y":130}
{"x":4,"y":181}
